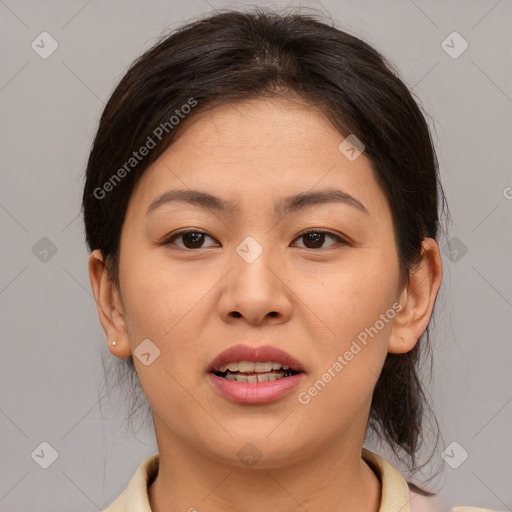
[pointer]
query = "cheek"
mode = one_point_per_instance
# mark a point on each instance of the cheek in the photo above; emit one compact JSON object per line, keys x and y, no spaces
{"x":157,"y":296}
{"x":160,"y":305}
{"x":357,"y":305}
{"x":351,"y":297}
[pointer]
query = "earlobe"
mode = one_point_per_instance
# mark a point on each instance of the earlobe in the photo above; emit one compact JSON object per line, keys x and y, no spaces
{"x":109,"y":306}
{"x":417,"y":299}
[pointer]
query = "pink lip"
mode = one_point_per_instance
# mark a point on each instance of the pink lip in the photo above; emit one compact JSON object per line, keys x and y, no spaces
{"x":259,"y":392}
{"x":255,"y":393}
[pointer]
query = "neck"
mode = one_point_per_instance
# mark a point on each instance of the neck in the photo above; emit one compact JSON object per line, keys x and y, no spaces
{"x":336,"y":478}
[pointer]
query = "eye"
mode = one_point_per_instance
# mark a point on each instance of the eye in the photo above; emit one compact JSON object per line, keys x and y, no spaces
{"x":192,"y":239}
{"x":315,"y":238}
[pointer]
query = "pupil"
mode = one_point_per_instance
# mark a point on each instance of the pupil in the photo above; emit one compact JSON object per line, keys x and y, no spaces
{"x":194,"y":237}
{"x":316,"y":237}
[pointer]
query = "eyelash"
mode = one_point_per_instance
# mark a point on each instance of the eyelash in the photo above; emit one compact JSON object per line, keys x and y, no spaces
{"x":339,"y":239}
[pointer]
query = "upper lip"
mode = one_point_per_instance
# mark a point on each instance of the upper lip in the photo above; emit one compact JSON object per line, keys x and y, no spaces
{"x":256,"y":354}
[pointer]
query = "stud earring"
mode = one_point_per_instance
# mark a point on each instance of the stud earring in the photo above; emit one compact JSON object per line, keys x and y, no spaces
{"x":114,"y":342}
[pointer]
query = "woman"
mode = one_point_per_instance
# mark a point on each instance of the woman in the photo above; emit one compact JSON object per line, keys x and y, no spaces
{"x":261,"y":203}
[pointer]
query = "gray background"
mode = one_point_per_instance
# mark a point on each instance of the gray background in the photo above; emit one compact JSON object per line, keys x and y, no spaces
{"x":51,"y":371}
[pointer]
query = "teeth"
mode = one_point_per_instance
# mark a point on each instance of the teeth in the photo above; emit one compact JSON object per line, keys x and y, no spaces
{"x":250,"y":366}
{"x":246,"y":366}
{"x":269,"y":376}
{"x":232,"y":367}
{"x":264,"y":366}
{"x":264,"y":377}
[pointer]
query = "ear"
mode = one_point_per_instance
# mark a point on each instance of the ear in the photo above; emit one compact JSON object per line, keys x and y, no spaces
{"x":417,"y":299}
{"x":109,"y":304}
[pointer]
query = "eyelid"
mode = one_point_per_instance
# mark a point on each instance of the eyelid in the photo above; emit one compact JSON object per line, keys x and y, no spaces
{"x":168,"y":239}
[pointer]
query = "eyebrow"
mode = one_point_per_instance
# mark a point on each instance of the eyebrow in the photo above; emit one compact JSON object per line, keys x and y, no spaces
{"x":287,"y":205}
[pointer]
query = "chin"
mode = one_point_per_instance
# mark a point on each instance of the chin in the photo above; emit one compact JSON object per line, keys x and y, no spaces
{"x":260,"y":453}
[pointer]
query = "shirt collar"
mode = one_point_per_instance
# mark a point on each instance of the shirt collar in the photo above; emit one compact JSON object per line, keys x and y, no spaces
{"x":395,"y":492}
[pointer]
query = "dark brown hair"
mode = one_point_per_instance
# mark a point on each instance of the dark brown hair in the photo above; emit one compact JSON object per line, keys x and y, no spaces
{"x":233,"y":56}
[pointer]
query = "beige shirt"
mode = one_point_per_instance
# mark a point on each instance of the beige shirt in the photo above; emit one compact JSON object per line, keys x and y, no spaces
{"x":396,"y":496}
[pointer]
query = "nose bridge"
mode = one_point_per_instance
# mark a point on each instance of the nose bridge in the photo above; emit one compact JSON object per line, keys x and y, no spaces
{"x":250,"y":250}
{"x":253,"y":263}
{"x":255,"y":289}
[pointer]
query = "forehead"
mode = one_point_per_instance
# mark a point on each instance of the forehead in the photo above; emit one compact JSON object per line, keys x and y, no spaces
{"x":260,"y":149}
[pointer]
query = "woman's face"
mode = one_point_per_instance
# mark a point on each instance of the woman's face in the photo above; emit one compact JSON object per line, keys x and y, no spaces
{"x":252,"y":276}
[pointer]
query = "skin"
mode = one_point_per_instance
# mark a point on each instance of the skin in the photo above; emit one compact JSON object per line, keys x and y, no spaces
{"x":308,"y":298}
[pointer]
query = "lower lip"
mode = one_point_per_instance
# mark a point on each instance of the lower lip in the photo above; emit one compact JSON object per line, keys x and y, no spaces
{"x":257,"y":392}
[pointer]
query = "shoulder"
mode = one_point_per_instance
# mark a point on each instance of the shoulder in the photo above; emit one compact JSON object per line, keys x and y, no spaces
{"x":398,"y":494}
{"x":420,"y":503}
{"x":135,"y":497}
{"x":471,"y":509}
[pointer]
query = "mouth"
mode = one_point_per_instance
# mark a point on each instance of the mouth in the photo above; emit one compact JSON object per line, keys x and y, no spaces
{"x":255,"y":375}
{"x":254,"y":372}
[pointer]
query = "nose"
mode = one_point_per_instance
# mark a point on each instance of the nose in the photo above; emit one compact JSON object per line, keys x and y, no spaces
{"x":255,"y":291}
